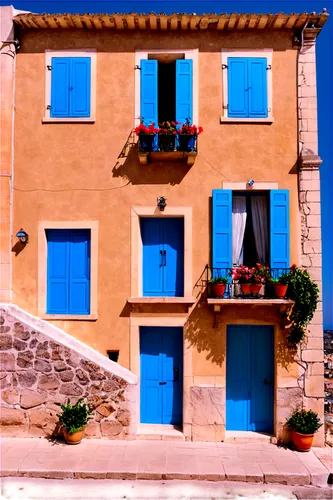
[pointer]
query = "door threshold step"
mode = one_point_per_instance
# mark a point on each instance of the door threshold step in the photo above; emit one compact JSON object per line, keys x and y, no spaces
{"x":248,"y":437}
{"x":160,"y":432}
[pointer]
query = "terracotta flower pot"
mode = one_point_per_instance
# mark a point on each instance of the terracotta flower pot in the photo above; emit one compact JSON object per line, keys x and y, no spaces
{"x":280,"y":290}
{"x":74,"y":438}
{"x":246,"y":288}
{"x":255,"y":288}
{"x":218,"y":289}
{"x":302,"y":442}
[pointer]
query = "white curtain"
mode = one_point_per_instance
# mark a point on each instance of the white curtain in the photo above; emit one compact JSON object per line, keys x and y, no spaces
{"x":238,"y":228}
{"x":259,"y":211}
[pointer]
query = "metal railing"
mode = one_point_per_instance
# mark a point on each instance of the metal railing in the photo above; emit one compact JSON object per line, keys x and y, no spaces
{"x":160,"y":143}
{"x":233,"y":289}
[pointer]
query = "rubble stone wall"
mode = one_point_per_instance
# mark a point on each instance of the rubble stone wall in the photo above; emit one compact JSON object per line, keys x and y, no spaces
{"x":36,"y":372}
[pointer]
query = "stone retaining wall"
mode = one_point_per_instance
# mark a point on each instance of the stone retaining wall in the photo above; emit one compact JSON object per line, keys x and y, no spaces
{"x":37,"y":372}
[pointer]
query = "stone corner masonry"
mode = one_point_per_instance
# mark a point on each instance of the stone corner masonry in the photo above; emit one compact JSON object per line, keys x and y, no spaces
{"x":39,"y":368}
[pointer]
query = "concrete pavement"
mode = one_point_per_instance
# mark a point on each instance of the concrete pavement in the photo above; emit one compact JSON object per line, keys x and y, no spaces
{"x":105,"y":459}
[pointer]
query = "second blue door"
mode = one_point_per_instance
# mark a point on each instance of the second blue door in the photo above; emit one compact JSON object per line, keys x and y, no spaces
{"x":161,"y":378}
{"x":163,"y":256}
{"x":250,"y":378}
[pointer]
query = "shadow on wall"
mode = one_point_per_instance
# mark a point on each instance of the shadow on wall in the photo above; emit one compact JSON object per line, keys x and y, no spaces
{"x":285,"y":355}
{"x":200,"y":333}
{"x":128,"y":167}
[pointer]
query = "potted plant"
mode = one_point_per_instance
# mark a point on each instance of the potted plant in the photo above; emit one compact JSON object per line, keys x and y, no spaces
{"x":167,"y":136}
{"x":146,"y":136}
{"x":218,"y":286}
{"x":303,"y":424}
{"x":187,"y":135}
{"x":73,"y":420}
{"x":281,"y":285}
{"x":243,"y":276}
{"x":260,"y":276}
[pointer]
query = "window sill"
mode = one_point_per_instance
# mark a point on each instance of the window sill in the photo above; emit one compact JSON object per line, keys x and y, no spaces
{"x":68,"y":120}
{"x":162,"y":156}
{"x":69,"y":317}
{"x":162,"y":300}
{"x":267,"y":121}
{"x":283,"y":304}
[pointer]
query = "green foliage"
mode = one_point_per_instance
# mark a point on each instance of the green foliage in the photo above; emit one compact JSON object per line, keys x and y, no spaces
{"x":305,"y":293}
{"x":283,"y":279}
{"x":304,"y":422}
{"x":74,"y":417}
{"x":219,"y":281}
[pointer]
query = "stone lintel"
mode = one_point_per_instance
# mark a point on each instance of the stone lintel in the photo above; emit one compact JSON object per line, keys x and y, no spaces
{"x":309,"y":160}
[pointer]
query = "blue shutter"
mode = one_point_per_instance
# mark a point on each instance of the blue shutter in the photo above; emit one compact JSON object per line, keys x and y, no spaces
{"x":79,"y":88}
{"x":79,"y":272}
{"x":222,"y":228}
{"x":60,"y":87}
{"x":148,"y":91}
{"x":184,"y":90}
{"x":237,"y":87}
{"x":279,"y":228}
{"x":257,"y":83}
{"x":57,"y":271}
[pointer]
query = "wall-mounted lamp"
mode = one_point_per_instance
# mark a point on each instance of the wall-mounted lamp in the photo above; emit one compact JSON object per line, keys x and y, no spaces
{"x":250,"y":182}
{"x":161,"y":203}
{"x":22,"y":236}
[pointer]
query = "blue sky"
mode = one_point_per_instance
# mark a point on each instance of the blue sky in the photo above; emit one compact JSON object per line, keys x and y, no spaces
{"x":324,"y":81}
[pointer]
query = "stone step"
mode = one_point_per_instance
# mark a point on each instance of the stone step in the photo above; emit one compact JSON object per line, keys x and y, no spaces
{"x":160,"y":432}
{"x":248,"y":437}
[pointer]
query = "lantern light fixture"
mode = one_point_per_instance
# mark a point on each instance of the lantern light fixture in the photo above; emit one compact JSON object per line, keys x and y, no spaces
{"x":22,"y":236}
{"x":250,"y":182}
{"x":161,"y":203}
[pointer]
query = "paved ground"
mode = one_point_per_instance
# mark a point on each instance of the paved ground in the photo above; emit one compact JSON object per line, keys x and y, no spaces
{"x":85,"y":489}
{"x":104,"y":459}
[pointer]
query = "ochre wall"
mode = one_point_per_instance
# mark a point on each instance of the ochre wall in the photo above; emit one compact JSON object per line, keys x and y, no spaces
{"x":74,"y":171}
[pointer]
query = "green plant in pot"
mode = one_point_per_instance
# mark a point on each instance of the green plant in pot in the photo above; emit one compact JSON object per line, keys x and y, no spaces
{"x":73,"y":419}
{"x":218,"y":286}
{"x":303,"y":424}
{"x":281,"y":285}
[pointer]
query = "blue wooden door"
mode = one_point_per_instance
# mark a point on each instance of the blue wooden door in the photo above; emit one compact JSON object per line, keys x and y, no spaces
{"x":161,"y":378}
{"x":163,"y":257}
{"x":250,"y":378}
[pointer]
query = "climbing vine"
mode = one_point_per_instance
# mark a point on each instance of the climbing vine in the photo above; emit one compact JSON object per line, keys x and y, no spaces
{"x":305,"y":293}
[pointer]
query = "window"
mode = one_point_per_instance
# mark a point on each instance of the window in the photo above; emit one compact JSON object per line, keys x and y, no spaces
{"x":250,"y":228}
{"x":70,"y":85}
{"x":166,"y":86}
{"x":68,"y":271}
{"x":247,"y":83}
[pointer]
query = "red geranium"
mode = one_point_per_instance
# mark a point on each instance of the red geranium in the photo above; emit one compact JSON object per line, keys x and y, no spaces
{"x":144,"y":130}
{"x":188,"y":129}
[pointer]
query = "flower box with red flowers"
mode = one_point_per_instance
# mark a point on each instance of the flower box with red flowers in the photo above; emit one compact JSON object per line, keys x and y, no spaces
{"x":187,"y":136}
{"x":147,"y":135}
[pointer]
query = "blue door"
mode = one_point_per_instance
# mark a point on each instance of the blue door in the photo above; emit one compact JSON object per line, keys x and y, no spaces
{"x":163,"y":256}
{"x":250,"y":378}
{"x":161,"y":366}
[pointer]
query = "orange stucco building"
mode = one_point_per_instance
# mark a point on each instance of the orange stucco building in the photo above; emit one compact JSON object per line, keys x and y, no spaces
{"x":76,"y":171}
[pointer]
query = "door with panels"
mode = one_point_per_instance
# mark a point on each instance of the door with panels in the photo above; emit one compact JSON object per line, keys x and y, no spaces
{"x":250,"y":378}
{"x":161,"y":375}
{"x":162,"y":256}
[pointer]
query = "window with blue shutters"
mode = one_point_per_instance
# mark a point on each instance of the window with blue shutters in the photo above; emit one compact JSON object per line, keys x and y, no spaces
{"x":70,"y":87}
{"x":247,"y":85}
{"x":68,"y":271}
{"x":166,"y":90}
{"x":250,"y":227}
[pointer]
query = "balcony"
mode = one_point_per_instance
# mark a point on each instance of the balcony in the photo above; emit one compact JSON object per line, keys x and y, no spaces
{"x":167,"y":148}
{"x":234,"y":295}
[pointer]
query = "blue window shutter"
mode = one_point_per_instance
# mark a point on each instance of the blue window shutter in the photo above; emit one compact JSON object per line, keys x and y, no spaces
{"x":79,"y":272}
{"x":57,"y":271}
{"x":184,"y":90}
{"x":279,"y":228}
{"x":60,"y":81}
{"x":237,"y":87}
{"x":257,"y":83}
{"x":148,"y":91}
{"x":79,"y":88}
{"x":222,"y":228}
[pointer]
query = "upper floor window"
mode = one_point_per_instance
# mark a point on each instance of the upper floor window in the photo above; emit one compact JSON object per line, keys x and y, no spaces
{"x":247,"y":85}
{"x":166,"y":87}
{"x":70,"y":86}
